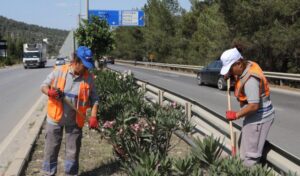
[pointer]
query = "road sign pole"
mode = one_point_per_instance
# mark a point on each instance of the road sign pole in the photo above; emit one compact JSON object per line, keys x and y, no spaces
{"x":87,"y":9}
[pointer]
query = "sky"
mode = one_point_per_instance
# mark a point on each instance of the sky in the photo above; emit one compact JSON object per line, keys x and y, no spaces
{"x":63,"y":14}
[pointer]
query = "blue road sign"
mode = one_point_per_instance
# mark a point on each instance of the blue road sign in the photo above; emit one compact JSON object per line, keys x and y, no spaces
{"x":121,"y":18}
{"x":111,"y":16}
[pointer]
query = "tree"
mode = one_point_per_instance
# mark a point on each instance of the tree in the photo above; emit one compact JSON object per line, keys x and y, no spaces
{"x":160,"y":30}
{"x":270,"y":30}
{"x":96,"y":35}
{"x":205,"y":31}
{"x":129,"y":43}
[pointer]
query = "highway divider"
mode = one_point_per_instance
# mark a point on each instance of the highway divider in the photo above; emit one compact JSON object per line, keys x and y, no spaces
{"x":276,"y":77}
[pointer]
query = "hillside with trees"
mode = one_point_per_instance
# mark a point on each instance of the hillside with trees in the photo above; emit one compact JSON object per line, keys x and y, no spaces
{"x":269,"y":32}
{"x":16,"y":33}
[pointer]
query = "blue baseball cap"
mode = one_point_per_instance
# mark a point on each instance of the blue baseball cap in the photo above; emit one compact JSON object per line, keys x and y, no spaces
{"x":86,"y":56}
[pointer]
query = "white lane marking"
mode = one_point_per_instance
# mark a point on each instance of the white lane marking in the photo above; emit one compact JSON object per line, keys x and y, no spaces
{"x":223,"y":93}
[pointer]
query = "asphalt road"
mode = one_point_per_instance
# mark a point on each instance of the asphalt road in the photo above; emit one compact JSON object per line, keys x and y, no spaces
{"x":285,"y":131}
{"x":19,"y":90}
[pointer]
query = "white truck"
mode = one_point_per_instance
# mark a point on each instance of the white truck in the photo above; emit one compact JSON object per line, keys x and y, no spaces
{"x":34,"y":55}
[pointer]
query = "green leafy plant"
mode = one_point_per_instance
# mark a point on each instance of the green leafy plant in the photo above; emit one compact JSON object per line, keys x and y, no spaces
{"x":207,"y":151}
{"x":136,"y":129}
{"x":182,"y":167}
{"x":290,"y":173}
{"x":258,"y":170}
{"x":95,"y":33}
{"x":228,"y":166}
{"x":148,"y":164}
{"x":234,"y":166}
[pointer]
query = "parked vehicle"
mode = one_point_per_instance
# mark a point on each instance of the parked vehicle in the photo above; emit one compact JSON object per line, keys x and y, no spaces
{"x":60,"y":61}
{"x":34,"y":55}
{"x":110,"y":60}
{"x":210,"y":75}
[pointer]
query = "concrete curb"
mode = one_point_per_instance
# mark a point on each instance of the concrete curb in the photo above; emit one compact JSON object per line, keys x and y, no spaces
{"x":15,"y":149}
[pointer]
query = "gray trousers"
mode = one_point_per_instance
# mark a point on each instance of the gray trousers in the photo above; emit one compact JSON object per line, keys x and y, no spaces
{"x":53,"y":138}
{"x":252,"y":142}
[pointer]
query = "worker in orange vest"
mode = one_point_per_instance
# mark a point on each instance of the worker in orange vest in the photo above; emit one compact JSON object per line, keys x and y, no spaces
{"x":253,"y":93}
{"x":74,"y":83}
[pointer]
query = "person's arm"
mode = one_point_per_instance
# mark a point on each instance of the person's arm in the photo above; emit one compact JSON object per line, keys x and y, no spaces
{"x":94,"y":110}
{"x":47,"y":82}
{"x":251,"y":89}
{"x":45,"y":89}
{"x":247,"y":110}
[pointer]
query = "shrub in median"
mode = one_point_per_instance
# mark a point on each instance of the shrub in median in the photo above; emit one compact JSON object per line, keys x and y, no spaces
{"x":140,"y":134}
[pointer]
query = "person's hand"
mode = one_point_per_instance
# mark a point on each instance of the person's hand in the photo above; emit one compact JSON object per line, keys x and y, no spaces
{"x":52,"y":93}
{"x":93,"y":122}
{"x":231,"y":115}
{"x":55,"y":93}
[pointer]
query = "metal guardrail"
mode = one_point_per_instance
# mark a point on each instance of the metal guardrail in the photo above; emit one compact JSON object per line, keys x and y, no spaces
{"x":195,"y":69}
{"x":208,"y":122}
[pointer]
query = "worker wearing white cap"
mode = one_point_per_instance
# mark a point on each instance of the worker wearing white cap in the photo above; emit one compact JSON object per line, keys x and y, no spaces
{"x":253,"y":93}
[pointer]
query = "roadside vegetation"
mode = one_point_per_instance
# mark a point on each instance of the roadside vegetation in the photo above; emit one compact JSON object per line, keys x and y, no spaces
{"x":140,"y":134}
{"x":16,"y":33}
{"x":136,"y":138}
{"x":137,"y":134}
{"x":267,"y":30}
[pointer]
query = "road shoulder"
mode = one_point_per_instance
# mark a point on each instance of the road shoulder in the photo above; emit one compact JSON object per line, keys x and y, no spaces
{"x":15,"y":148}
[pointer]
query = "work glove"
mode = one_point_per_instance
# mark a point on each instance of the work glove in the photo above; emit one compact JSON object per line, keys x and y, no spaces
{"x":93,"y":122}
{"x":55,"y":93}
{"x":231,"y":115}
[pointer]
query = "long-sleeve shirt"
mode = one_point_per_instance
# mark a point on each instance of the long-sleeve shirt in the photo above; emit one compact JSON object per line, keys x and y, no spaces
{"x":71,"y":93}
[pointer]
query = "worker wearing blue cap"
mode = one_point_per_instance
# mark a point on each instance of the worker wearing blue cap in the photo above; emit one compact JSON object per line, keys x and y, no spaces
{"x":86,"y":57}
{"x":71,"y":92}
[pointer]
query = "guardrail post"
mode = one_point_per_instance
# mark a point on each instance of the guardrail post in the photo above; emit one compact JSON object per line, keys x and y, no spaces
{"x":188,"y":110}
{"x":280,"y":82}
{"x":160,"y":97}
{"x":144,"y":87}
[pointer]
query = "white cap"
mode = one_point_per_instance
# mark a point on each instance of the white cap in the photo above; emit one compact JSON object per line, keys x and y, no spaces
{"x":228,"y":58}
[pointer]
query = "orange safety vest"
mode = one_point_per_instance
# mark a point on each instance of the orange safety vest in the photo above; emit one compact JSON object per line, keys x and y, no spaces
{"x":55,"y":107}
{"x":256,"y":72}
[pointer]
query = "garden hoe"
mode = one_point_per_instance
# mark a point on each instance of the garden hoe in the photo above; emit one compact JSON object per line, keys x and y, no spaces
{"x":73,"y":107}
{"x":232,"y":134}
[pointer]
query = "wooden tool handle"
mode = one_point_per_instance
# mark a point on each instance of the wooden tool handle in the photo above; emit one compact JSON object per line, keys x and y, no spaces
{"x":232,"y":134}
{"x":73,"y":107}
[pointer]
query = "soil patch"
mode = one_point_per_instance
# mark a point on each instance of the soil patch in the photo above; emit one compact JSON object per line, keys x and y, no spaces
{"x":96,"y":155}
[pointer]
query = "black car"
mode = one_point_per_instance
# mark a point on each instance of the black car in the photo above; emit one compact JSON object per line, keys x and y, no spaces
{"x":210,"y":75}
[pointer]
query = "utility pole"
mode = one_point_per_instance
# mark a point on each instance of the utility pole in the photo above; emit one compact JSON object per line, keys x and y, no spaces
{"x":87,"y":9}
{"x":79,"y":20}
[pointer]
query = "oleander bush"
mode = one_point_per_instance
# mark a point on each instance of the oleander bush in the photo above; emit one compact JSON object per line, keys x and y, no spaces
{"x":140,"y":134}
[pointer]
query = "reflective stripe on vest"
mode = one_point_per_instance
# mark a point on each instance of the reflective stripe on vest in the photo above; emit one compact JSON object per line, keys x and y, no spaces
{"x":55,"y":107}
{"x":254,"y":71}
